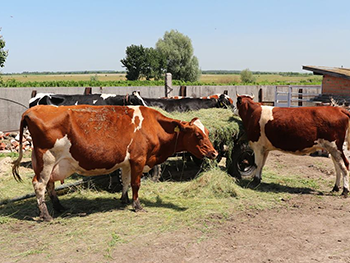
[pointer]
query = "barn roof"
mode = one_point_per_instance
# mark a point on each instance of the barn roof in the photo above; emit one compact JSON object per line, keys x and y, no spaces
{"x":335,"y":72}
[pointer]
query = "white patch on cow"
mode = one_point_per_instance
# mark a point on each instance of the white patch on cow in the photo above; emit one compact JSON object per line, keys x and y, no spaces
{"x":59,"y":163}
{"x":106,"y":96}
{"x":266,"y":116}
{"x":200,"y":125}
{"x":140,"y":98}
{"x":76,"y":103}
{"x":40,"y":96}
{"x":94,"y":101}
{"x":137,"y":113}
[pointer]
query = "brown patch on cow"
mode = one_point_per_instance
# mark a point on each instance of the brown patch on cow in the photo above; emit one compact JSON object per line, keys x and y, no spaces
{"x":250,"y":117}
{"x":309,"y":124}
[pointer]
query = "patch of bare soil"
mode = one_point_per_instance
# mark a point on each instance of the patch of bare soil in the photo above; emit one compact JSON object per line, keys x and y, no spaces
{"x":310,"y":228}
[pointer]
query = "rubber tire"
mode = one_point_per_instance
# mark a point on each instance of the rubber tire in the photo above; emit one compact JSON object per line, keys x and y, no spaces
{"x":242,"y":162}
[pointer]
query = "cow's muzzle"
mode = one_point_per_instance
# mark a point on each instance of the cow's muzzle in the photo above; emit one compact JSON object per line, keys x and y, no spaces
{"x":212,"y":154}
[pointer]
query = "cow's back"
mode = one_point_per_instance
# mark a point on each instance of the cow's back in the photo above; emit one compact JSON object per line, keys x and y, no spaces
{"x":96,"y":136}
{"x":295,"y":129}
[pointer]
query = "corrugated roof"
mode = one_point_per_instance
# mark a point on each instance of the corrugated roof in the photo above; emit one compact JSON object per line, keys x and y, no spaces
{"x":336,"y":72}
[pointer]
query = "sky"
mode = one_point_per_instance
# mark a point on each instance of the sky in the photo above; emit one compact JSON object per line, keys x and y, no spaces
{"x":265,"y":35}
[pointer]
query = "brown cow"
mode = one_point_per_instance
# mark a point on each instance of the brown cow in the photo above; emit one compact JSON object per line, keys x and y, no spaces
{"x":296,"y":130}
{"x":94,"y":140}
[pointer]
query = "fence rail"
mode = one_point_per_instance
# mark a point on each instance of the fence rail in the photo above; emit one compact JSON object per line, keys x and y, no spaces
{"x":295,"y":96}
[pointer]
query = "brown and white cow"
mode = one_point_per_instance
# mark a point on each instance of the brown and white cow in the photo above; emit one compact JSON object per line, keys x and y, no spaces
{"x":296,"y":130}
{"x":94,"y":140}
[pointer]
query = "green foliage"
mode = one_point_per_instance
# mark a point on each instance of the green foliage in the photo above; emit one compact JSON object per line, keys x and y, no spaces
{"x":94,"y":78}
{"x":178,"y":50}
{"x":247,"y":76}
{"x":81,"y":83}
{"x":3,"y":53}
{"x":155,"y":64}
{"x":134,"y":62}
{"x":141,"y":62}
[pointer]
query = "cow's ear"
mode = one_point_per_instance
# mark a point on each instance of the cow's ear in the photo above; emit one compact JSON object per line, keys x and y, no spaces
{"x":193,"y":120}
{"x":239,"y":100}
{"x":178,"y":126}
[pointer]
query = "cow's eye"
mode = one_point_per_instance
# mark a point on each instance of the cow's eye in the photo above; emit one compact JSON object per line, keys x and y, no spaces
{"x":199,"y":136}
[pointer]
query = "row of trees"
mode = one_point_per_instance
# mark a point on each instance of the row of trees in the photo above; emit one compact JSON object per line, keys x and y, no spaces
{"x":3,"y":52}
{"x":173,"y":54}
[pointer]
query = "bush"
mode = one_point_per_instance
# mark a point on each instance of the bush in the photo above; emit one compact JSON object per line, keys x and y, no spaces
{"x":247,"y":76}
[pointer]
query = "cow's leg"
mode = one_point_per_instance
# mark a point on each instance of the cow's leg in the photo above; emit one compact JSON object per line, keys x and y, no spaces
{"x":337,"y":175}
{"x":126,"y":178}
{"x":53,"y":196}
{"x":260,"y":159}
{"x":40,"y":180}
{"x":341,"y":166}
{"x":136,"y":174}
{"x":40,"y":188}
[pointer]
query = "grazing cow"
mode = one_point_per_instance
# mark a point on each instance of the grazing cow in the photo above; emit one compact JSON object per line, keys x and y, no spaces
{"x":296,"y":130}
{"x":182,"y":104}
{"x":91,"y":99}
{"x":67,"y":139}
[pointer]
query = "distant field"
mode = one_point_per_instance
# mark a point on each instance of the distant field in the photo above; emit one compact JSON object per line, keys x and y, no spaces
{"x":205,"y":78}
{"x":58,"y":77}
{"x":229,"y":78}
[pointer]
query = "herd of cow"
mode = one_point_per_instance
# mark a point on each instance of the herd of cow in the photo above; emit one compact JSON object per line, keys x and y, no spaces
{"x":137,"y":137}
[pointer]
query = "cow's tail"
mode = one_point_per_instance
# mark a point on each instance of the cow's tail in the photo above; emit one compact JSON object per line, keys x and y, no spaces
{"x":16,"y":163}
{"x":347,"y":136}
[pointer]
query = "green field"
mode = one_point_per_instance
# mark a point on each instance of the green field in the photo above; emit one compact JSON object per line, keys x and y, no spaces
{"x":117,"y":79}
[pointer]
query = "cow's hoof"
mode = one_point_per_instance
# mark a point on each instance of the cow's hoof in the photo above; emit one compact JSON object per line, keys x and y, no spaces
{"x":256,"y":181}
{"x":58,"y":207}
{"x":137,"y":206}
{"x":125,"y":199}
{"x":46,"y":218}
{"x":335,"y":188}
{"x":345,"y":192}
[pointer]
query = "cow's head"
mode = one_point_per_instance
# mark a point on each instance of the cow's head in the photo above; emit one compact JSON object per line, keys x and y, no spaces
{"x":196,"y":139}
{"x":245,"y":106}
{"x":224,"y":101}
{"x":136,"y":99}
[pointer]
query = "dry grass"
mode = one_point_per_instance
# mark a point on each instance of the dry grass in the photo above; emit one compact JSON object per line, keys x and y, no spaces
{"x":205,"y":78}
{"x":64,"y":77}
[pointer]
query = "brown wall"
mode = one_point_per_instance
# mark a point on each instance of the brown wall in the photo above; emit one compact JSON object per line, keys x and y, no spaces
{"x":335,"y":85}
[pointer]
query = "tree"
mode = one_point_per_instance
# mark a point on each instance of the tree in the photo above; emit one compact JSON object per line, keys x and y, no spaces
{"x":247,"y":76}
{"x":142,"y":62}
{"x":178,"y":51}
{"x":3,"y":53}
{"x":155,"y":64}
{"x":134,"y":62}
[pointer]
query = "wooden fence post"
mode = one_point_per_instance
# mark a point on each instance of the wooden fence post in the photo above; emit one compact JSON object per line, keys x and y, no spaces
{"x":88,"y":91}
{"x":33,"y":93}
{"x":183,"y":91}
{"x":168,"y":85}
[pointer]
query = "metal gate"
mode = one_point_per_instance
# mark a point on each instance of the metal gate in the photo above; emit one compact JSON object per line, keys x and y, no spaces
{"x":295,"y":96}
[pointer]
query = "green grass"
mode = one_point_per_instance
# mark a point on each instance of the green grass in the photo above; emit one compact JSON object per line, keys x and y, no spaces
{"x":96,"y":222}
{"x":97,"y":80}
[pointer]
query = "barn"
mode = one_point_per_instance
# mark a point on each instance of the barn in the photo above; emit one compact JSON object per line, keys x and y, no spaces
{"x":335,"y":84}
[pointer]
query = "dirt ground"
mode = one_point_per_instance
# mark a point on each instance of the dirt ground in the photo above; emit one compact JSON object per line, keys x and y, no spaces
{"x":309,"y":228}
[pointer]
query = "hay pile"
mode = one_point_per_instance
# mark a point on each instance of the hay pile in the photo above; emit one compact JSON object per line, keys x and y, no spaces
{"x":214,"y":183}
{"x":224,"y":127}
